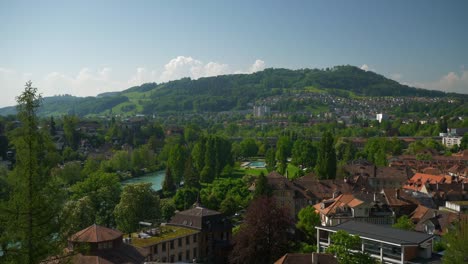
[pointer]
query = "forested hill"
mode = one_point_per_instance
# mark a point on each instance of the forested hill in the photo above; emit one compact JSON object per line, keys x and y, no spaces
{"x":231,"y":92}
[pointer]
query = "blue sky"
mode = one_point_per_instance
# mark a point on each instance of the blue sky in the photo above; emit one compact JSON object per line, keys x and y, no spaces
{"x":87,"y":47}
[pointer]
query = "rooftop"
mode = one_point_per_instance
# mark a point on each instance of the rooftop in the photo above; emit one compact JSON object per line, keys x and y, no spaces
{"x":96,"y":233}
{"x":380,"y":233}
{"x":167,"y":233}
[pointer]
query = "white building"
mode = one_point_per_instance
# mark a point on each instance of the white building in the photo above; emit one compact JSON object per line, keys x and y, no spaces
{"x":260,"y":111}
{"x":450,"y":141}
{"x":381,"y":117}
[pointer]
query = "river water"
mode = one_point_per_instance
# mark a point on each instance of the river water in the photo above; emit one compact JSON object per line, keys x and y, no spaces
{"x":155,"y":178}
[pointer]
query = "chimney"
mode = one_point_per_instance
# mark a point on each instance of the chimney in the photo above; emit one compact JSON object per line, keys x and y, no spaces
{"x":434,"y":214}
{"x":375,"y":197}
{"x":314,"y":258}
{"x":397,"y":193}
{"x":437,"y":185}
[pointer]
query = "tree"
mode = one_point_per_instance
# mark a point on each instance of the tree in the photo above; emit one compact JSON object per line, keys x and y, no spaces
{"x":404,"y":222}
{"x":264,"y":235}
{"x":248,"y":147}
{"x":191,"y":178}
{"x":185,"y":197}
{"x":77,"y":215}
{"x":261,"y":186}
{"x":138,"y":203}
{"x":103,"y":189}
{"x":308,"y":220}
{"x":176,"y":160}
{"x":168,"y":186}
{"x":270,"y":160}
{"x":326,"y":161}
{"x":456,"y":243}
{"x":304,"y":153}
{"x":464,"y":142}
{"x":167,"y":208}
{"x":283,"y":151}
{"x":29,"y":216}
{"x":72,"y":136}
{"x":343,"y":246}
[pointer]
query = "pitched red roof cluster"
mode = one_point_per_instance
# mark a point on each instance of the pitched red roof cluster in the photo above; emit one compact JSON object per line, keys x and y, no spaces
{"x":420,"y":179}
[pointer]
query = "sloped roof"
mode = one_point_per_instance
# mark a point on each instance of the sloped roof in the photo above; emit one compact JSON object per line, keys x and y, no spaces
{"x":96,"y":233}
{"x":380,"y":233}
{"x":340,"y":201}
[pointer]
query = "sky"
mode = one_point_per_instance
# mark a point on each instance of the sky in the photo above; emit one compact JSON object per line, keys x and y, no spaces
{"x":89,"y":47}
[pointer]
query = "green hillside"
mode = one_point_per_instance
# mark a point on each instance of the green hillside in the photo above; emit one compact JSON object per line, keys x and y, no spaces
{"x":231,"y":92}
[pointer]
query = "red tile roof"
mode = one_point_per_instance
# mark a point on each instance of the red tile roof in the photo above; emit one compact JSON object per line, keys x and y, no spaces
{"x":96,"y":233}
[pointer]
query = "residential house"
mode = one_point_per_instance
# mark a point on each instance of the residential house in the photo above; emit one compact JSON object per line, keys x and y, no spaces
{"x":363,"y":207}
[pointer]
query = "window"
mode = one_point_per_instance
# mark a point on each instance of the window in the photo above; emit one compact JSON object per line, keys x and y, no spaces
{"x":194,"y":238}
{"x":187,"y":255}
{"x":172,"y":244}
{"x":180,"y":256}
{"x":105,"y":245}
{"x":172,"y":258}
{"x":187,"y":240}
{"x":195,"y":253}
{"x":163,"y":247}
{"x":155,"y":249}
{"x":180,"y":242}
{"x":164,"y":259}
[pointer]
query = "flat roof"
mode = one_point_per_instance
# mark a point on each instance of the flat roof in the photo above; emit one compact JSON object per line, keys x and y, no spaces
{"x":167,"y":233}
{"x":380,"y":233}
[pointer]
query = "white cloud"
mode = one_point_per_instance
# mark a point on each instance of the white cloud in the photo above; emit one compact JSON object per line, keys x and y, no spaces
{"x":396,"y":76}
{"x":451,"y":82}
{"x":182,"y":66}
{"x":90,"y":82}
{"x":258,"y":65}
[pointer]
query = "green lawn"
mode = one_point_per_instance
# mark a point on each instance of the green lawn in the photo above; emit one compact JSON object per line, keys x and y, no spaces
{"x":168,"y":233}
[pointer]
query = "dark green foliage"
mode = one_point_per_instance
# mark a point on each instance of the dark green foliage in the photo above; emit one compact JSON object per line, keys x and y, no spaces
{"x":283,"y":151}
{"x":464,"y":142}
{"x":270,"y":159}
{"x":326,"y":161}
{"x":191,"y":177}
{"x":261,"y":186}
{"x":233,"y":92}
{"x":456,"y":243}
{"x":167,"y":209}
{"x":304,"y":153}
{"x":176,"y":160}
{"x":185,"y":197}
{"x":217,"y":155}
{"x":232,"y":192}
{"x":248,"y":147}
{"x":138,"y":202}
{"x":103,"y":189}
{"x":29,"y":216}
{"x":168,"y":186}
{"x":404,"y":222}
{"x":308,"y":220}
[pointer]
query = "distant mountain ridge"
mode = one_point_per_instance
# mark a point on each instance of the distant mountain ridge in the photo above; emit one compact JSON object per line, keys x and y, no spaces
{"x":230,"y":92}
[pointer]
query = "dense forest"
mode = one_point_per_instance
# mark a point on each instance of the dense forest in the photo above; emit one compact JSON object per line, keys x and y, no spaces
{"x":231,"y":92}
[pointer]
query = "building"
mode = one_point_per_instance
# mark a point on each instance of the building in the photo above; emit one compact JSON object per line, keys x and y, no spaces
{"x":261,"y":111}
{"x":381,"y":117}
{"x":307,"y":258}
{"x":98,"y":244}
{"x":215,"y":232}
{"x":370,"y":208}
{"x":451,"y":141}
{"x":387,"y":244}
{"x":167,"y":244}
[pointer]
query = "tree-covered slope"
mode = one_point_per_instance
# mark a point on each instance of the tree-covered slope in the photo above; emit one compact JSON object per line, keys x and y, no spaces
{"x":231,"y":92}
